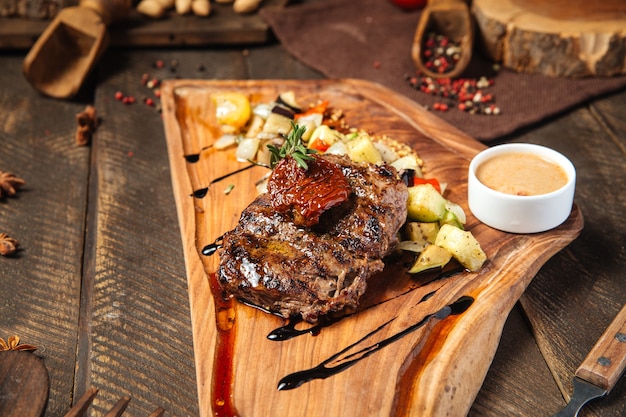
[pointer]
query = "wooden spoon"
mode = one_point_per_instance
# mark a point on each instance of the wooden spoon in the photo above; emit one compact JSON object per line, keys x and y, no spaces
{"x":24,"y":384}
{"x":67,"y":50}
{"x":450,"y":18}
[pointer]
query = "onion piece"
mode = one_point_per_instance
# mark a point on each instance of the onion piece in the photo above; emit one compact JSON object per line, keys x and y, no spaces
{"x":411,"y":246}
{"x":246,"y":151}
{"x":225,"y":141}
{"x":262,"y":110}
{"x":337,"y":148}
{"x":457,"y":211}
{"x":408,"y":162}
{"x":388,"y":154}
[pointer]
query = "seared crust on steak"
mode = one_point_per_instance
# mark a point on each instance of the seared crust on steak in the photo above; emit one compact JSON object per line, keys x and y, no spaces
{"x":270,"y":261}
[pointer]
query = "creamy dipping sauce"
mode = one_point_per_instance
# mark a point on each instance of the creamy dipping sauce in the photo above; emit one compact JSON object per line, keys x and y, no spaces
{"x":522,"y":174}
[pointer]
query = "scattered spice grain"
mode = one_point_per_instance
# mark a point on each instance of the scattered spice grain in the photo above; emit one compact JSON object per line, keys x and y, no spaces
{"x":466,"y":94}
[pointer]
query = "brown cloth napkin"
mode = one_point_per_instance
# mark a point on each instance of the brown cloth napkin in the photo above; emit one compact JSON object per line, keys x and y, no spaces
{"x":372,"y":39}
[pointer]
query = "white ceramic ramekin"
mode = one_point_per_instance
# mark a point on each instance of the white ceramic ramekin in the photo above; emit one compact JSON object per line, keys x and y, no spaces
{"x":521,"y":214}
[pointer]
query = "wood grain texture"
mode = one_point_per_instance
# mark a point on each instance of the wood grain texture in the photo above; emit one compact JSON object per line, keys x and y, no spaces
{"x":557,"y":38}
{"x":576,"y":294}
{"x":135,"y":339}
{"x":40,"y":285}
{"x":222,"y":27}
{"x":568,"y":303}
{"x":24,"y":384}
{"x":452,"y":356}
{"x":518,"y":383}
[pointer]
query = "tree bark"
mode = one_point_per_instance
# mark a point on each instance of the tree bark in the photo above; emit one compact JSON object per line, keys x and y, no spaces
{"x":569,"y":38}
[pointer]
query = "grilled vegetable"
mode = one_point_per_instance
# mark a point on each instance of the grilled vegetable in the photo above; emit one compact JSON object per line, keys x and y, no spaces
{"x":232,"y":110}
{"x":462,"y":245}
{"x":432,"y":256}
{"x":425,"y":204}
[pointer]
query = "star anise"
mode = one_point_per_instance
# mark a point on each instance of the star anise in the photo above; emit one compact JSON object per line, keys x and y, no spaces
{"x":8,"y":245}
{"x":13,"y":343}
{"x":9,"y":184}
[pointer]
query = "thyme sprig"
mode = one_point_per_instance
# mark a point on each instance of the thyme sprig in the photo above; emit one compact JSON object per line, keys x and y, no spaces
{"x":292,"y":147}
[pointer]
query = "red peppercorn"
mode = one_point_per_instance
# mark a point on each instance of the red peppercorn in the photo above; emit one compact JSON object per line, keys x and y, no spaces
{"x":149,"y":101}
{"x":119,"y":95}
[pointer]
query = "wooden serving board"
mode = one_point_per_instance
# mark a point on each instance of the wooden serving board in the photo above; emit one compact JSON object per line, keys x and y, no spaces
{"x":414,"y":364}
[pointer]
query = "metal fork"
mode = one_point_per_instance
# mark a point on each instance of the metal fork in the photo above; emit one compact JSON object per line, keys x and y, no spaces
{"x":118,"y":409}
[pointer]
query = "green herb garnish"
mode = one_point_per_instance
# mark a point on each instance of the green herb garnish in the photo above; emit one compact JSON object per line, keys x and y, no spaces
{"x":293,"y":147}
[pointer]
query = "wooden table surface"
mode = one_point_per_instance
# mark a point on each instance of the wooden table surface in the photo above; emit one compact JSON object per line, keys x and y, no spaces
{"x":99,"y":283}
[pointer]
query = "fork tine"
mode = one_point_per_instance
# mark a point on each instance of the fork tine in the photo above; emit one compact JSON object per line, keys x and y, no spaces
{"x":118,"y":408}
{"x":81,"y":405}
{"x":158,"y":412}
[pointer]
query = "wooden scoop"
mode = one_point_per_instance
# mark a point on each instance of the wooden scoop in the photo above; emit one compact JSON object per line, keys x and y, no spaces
{"x":67,"y":50}
{"x":452,"y":19}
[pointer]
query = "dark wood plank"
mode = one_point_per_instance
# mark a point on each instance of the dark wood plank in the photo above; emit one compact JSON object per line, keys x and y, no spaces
{"x":40,"y":286}
{"x":222,"y":27}
{"x":131,"y":263}
{"x":137,"y":338}
{"x":272,"y":62}
{"x":577,"y":293}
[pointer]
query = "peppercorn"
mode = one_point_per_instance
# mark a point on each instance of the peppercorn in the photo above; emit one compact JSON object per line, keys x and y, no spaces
{"x":467,"y":93}
{"x":440,"y":53}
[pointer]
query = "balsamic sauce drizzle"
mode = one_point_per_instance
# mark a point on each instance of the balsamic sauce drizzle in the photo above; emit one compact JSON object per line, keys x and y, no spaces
{"x":289,"y":330}
{"x":346,"y":357}
{"x":195,"y":157}
{"x":202,"y":192}
{"x":211,"y":248}
{"x":222,"y":383}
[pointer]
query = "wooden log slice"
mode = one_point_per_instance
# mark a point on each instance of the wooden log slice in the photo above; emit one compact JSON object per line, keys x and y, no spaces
{"x":568,"y":38}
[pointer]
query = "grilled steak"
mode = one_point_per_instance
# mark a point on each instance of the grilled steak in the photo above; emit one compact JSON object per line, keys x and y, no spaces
{"x":288,"y":265}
